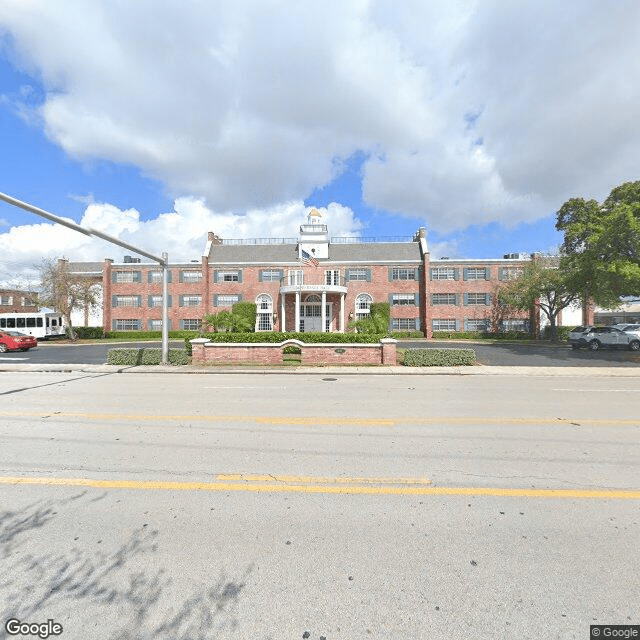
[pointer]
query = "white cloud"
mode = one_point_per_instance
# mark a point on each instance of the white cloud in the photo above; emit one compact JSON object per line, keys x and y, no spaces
{"x":469,"y":111}
{"x":182,"y":233}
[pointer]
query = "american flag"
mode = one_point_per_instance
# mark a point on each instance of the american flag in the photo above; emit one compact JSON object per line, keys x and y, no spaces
{"x":308,"y":259}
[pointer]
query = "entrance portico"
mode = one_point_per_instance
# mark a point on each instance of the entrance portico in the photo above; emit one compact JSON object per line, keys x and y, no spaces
{"x":310,"y":289}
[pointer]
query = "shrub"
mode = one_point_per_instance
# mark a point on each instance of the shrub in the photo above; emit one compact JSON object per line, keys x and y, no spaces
{"x":89,"y":332}
{"x":400,"y":335}
{"x":439,"y":357}
{"x":135,"y":357}
{"x":244,"y":316}
{"x":151,"y":335}
{"x":562,"y":333}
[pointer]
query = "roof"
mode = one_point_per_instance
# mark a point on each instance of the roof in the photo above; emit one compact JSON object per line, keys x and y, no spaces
{"x":349,"y":252}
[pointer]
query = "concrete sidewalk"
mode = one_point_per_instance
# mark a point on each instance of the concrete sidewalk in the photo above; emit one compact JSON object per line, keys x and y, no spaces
{"x":477,"y":370}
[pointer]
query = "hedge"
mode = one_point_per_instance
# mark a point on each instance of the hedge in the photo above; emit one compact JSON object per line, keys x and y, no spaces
{"x":311,"y":337}
{"x":482,"y":335}
{"x":439,"y":357}
{"x":151,"y":335}
{"x":89,"y":332}
{"x":402,"y":335}
{"x":135,"y":357}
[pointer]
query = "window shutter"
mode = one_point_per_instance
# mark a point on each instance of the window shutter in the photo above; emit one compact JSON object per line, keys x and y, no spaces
{"x":418,"y":324}
{"x":180,"y":301}
{"x":466,"y":299}
{"x":138,"y":301}
{"x":347,"y":274}
{"x":215,"y":275}
{"x":215,"y":301}
{"x":487,"y":273}
{"x":416,"y":274}
{"x":149,"y":276}
{"x":169,"y":272}
{"x":114,"y":301}
{"x":169,"y":299}
{"x":390,"y":298}
{"x":487,"y":299}
{"x":456,"y":274}
{"x":430,"y":274}
{"x":368,"y":275}
{"x":181,"y":324}
{"x":180,"y":277}
{"x":113,"y":277}
{"x":260,"y":275}
{"x":390,"y":274}
{"x":501,"y":273}
{"x":137,"y":276}
{"x":465,"y":273}
{"x":457,"y":302}
{"x":466,"y":325}
{"x":416,"y":300}
{"x":457,"y":325}
{"x":113,"y":325}
{"x":239,"y":275}
{"x":149,"y":325}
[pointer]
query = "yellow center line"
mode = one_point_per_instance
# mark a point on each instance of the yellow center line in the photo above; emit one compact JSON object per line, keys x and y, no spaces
{"x":249,"y":477}
{"x":271,"y":487}
{"x":325,"y":420}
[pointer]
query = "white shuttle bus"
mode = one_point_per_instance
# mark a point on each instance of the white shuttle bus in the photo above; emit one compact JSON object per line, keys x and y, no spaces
{"x":38,"y":325}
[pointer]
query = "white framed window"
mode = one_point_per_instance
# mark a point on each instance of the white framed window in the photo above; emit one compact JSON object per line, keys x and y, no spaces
{"x":295,"y":277}
{"x":510,"y":273}
{"x":190,"y":277}
{"x":443,"y":298}
{"x":191,"y":324}
{"x":477,"y":324}
{"x":127,"y":324}
{"x":228,"y":276}
{"x":155,"y":301}
{"x":400,"y":273}
{"x":154,"y":277}
{"x":475,"y":298}
{"x":362,"y":275}
{"x":475,"y":273}
{"x":126,"y":301}
{"x":270,"y":275}
{"x":332,"y":277}
{"x":226,"y":300}
{"x":404,"y":324}
{"x":155,"y":325}
{"x":515,"y":324}
{"x":363,"y":306}
{"x":444,"y":324}
{"x":190,"y":301}
{"x":6,"y":300}
{"x":125,"y":277}
{"x":443,"y":273}
{"x":403,"y":299}
{"x":264,"y":318}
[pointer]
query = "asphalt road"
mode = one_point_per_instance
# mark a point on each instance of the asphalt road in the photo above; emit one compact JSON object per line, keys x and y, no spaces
{"x":142,"y":506}
{"x":512,"y":354}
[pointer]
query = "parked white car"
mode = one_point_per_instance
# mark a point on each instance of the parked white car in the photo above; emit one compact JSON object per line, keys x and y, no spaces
{"x":597,"y":337}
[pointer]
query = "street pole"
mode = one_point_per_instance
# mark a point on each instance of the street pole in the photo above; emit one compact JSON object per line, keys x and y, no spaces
{"x":163,"y":261}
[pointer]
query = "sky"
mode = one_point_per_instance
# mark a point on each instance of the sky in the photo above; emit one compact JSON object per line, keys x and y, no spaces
{"x":158,"y":121}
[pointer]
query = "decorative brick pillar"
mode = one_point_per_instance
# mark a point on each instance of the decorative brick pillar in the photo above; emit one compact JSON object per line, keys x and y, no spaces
{"x":389,"y":351}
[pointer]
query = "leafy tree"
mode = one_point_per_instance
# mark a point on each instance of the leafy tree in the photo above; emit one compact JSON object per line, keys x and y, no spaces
{"x":378,"y":322}
{"x":244,"y":316}
{"x":65,"y":291}
{"x":601,"y":248}
{"x":541,"y":286}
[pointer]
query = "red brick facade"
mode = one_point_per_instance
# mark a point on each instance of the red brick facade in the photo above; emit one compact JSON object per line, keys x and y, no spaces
{"x":16,"y":301}
{"x":425,"y":295}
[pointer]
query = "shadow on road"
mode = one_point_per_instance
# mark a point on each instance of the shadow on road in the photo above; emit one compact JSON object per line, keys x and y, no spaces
{"x":122,"y":590}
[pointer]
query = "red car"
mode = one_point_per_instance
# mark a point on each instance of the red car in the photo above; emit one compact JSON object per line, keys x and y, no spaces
{"x":14,"y":340}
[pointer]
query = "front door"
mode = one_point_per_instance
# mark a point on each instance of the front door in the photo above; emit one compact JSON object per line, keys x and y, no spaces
{"x":311,"y":317}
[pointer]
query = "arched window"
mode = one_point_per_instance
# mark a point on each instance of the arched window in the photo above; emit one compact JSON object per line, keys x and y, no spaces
{"x":363,"y":306}
{"x":264,"y":312}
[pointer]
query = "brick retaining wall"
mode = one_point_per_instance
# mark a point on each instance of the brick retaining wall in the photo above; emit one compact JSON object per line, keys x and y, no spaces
{"x":383,"y":352}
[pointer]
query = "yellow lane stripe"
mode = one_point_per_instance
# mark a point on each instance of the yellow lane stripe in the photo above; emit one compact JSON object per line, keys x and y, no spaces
{"x":249,"y":477}
{"x":604,"y":494}
{"x":324,"y":420}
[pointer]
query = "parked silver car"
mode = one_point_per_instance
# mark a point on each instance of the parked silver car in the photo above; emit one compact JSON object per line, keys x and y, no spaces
{"x":597,"y":337}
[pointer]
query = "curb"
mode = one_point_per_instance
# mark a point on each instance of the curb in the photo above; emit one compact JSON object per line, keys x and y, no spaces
{"x":481,"y":370}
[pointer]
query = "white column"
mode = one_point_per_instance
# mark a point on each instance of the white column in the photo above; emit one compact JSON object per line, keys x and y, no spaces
{"x":283,"y":323}
{"x":297,"y":327}
{"x":342,"y":313}
{"x":323,"y":312}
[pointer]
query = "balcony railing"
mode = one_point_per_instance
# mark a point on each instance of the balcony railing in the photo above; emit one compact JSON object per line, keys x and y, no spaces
{"x":306,"y":280}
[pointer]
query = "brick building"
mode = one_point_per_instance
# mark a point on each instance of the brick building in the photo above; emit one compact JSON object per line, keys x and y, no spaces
{"x":312,"y":283}
{"x":16,"y":301}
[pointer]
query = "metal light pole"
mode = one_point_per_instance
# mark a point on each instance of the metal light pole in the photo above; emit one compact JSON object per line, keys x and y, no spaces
{"x":163,"y":261}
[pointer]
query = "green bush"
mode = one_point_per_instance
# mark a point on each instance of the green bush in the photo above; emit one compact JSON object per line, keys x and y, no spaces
{"x":151,"y":335}
{"x":402,"y":335}
{"x":89,"y":332}
{"x":439,"y":357}
{"x":481,"y":335}
{"x":277,"y":336}
{"x":562,"y":333}
{"x":136,"y":357}
{"x":244,"y":316}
